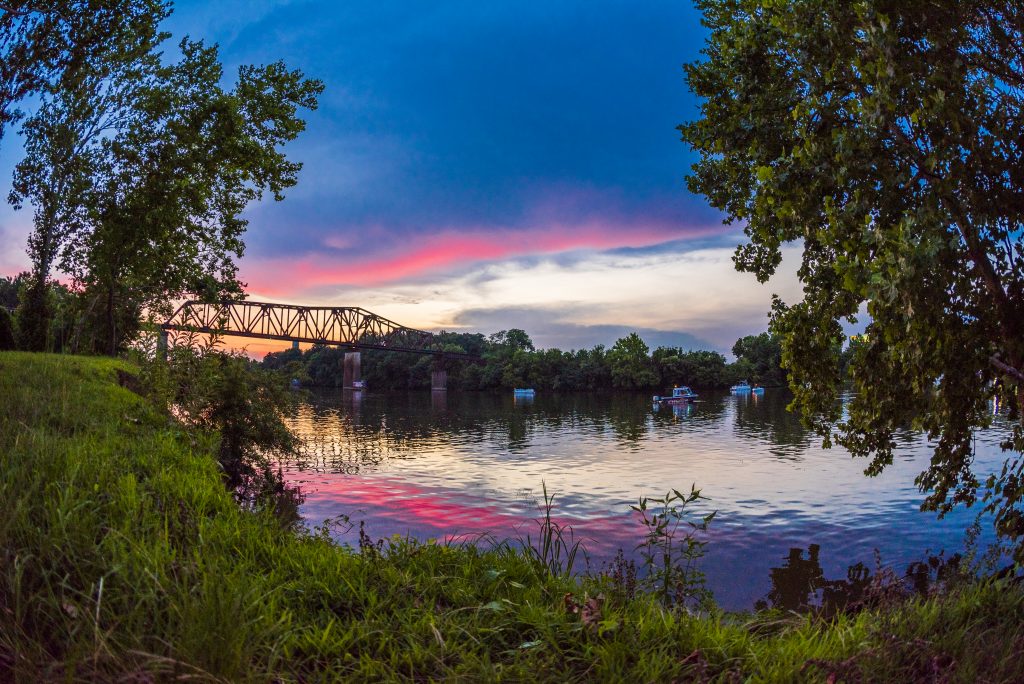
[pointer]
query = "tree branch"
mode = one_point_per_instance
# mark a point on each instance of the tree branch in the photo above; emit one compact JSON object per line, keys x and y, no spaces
{"x":1008,"y":321}
{"x":1006,"y":368}
{"x":1008,"y":316}
{"x":13,"y":12}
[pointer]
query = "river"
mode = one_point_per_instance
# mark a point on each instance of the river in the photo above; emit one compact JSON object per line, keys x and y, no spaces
{"x":470,"y":464}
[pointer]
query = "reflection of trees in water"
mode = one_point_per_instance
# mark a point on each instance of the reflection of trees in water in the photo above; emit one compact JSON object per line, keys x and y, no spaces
{"x":625,"y":415}
{"x":325,"y":443}
{"x":799,"y":584}
{"x":343,"y":433}
{"x":629,"y":419}
{"x":796,"y":583}
{"x":766,"y":418}
{"x":346,"y":431}
{"x":706,"y":411}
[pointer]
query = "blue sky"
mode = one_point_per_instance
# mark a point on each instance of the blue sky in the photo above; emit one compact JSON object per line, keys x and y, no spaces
{"x":486,"y":165}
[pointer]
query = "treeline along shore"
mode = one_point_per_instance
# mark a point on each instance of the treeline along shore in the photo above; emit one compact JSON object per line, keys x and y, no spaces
{"x":510,"y":359}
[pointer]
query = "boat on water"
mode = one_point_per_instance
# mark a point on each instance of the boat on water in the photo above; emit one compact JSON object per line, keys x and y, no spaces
{"x":358,"y":385}
{"x":523,"y":392}
{"x":680,"y":395}
{"x":744,"y":387}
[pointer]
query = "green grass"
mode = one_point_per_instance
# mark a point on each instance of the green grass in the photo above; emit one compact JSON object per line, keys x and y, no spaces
{"x":122,"y":557}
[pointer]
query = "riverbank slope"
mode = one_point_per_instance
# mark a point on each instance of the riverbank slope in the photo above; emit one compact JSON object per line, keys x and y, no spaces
{"x":122,"y":556}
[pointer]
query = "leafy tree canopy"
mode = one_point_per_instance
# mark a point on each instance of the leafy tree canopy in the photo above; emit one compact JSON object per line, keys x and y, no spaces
{"x":139,"y":178}
{"x":886,"y":137}
{"x":630,"y":364}
{"x":9,"y":289}
{"x":7,"y":335}
{"x":44,"y":44}
{"x":763,"y":353}
{"x":514,"y":339}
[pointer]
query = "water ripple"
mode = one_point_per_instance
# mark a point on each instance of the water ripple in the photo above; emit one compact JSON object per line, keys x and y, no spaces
{"x":476,"y":463}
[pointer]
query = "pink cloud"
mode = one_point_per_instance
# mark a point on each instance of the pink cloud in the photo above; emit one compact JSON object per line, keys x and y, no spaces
{"x":448,"y":250}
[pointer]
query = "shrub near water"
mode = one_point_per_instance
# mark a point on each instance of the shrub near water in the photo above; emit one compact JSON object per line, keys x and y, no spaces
{"x":223,"y":393}
{"x":123,"y":556}
{"x":8,"y":338}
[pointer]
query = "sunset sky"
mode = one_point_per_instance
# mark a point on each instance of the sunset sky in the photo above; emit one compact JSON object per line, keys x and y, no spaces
{"x":481,"y":166}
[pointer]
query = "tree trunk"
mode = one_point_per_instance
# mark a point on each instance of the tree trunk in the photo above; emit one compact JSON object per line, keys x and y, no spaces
{"x":34,"y":318}
{"x":35,"y":315}
{"x":111,"y":321}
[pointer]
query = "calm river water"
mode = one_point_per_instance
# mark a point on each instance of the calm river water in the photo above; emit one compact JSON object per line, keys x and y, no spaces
{"x":472,"y":463}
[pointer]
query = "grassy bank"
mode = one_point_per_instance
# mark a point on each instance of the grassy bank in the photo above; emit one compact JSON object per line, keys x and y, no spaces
{"x":122,"y":556}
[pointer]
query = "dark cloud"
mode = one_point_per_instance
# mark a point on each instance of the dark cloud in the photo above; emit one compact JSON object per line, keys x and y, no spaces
{"x":475,"y":115}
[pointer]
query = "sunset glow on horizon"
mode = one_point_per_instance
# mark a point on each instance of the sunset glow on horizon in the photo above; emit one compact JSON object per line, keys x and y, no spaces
{"x":484,"y":167}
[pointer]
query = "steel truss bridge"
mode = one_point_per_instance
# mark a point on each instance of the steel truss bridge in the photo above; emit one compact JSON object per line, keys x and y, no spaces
{"x":342,"y":326}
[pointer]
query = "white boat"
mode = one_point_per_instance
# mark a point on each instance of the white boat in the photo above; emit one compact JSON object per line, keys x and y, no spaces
{"x":680,"y":395}
{"x":358,"y":385}
{"x":757,"y":390}
{"x":523,"y":392}
{"x":742,"y":387}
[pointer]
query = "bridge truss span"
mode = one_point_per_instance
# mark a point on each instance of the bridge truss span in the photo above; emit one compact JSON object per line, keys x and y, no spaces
{"x":352,"y":327}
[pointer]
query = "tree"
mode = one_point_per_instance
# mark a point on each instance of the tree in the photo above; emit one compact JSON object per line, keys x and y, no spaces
{"x":156,"y":216}
{"x":695,"y":368}
{"x":594,"y":370}
{"x":704,"y":368}
{"x":61,"y":141}
{"x":10,"y":289}
{"x":763,"y":353}
{"x":855,"y":343}
{"x":514,"y":339}
{"x":631,"y":364}
{"x":7,"y":335}
{"x":239,"y":404}
{"x":46,"y":44}
{"x":139,"y":170}
{"x":180,"y":174}
{"x":885,"y":136}
{"x":54,"y":331}
{"x":81,"y":93}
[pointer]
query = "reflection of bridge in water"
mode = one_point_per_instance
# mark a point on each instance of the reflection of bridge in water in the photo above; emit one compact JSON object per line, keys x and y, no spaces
{"x":343,"y":326}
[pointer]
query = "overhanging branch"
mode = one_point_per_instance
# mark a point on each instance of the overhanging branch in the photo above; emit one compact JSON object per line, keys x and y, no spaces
{"x":1006,"y":368}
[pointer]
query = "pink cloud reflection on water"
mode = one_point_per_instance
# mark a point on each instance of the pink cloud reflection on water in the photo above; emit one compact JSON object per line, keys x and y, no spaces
{"x":735,"y":563}
{"x":394,"y":506}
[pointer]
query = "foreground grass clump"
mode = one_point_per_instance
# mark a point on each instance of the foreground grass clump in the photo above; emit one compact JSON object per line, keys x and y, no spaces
{"x":123,"y":556}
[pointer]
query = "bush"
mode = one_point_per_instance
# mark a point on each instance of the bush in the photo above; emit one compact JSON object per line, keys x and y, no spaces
{"x":34,"y":318}
{"x":227,"y":395}
{"x":7,"y":334}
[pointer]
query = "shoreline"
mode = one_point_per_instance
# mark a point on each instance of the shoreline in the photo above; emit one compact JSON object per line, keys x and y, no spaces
{"x":125,"y":555}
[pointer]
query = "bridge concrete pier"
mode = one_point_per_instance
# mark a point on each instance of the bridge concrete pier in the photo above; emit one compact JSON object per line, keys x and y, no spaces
{"x":351,"y":370}
{"x":439,"y":401}
{"x":439,"y":380}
